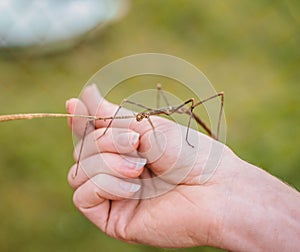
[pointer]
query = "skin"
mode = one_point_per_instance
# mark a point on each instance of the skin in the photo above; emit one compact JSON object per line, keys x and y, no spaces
{"x":230,"y":204}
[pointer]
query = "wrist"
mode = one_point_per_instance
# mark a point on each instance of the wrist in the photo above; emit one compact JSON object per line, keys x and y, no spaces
{"x":261,"y":213}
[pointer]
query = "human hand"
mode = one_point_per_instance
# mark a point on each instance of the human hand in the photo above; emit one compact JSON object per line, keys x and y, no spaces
{"x":183,"y":196}
{"x":185,"y":211}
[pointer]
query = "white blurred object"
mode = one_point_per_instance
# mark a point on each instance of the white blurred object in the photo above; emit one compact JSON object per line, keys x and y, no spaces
{"x":38,"y":22}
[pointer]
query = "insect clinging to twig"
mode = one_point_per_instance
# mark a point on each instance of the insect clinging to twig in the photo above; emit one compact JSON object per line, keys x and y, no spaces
{"x":186,"y":107}
{"x":168,"y":111}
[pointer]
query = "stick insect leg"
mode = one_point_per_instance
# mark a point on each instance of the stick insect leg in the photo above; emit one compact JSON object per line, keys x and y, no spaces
{"x":161,"y":93}
{"x":137,"y":104}
{"x":111,"y":121}
{"x":221,"y":95}
{"x":188,"y":126}
{"x":189,"y":111}
{"x":81,"y":146}
{"x":155,"y":136}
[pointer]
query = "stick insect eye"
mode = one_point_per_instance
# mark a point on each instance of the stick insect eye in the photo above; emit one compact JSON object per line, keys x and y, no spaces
{"x":139,"y":117}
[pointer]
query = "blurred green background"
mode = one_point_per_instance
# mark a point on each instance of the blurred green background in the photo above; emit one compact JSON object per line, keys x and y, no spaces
{"x":248,"y":49}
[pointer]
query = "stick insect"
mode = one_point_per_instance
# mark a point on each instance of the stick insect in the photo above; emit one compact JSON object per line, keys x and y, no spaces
{"x":147,"y":112}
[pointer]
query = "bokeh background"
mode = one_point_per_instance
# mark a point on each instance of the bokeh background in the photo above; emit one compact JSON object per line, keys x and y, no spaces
{"x":248,"y":49}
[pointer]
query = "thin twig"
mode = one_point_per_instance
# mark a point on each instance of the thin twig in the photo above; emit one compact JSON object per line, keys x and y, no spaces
{"x":29,"y":116}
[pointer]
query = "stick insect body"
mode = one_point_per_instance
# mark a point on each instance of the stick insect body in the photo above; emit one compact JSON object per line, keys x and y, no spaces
{"x":145,"y":114}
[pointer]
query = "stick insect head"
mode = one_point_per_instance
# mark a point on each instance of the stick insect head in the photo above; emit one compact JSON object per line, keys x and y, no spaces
{"x":140,"y":116}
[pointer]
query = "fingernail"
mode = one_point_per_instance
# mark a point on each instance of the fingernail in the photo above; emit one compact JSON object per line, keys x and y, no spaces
{"x":136,"y":163}
{"x":128,"y":139}
{"x":70,"y":105}
{"x":129,"y":187}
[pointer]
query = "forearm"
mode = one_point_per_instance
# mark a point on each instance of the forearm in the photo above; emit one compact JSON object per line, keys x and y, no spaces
{"x":264,"y":213}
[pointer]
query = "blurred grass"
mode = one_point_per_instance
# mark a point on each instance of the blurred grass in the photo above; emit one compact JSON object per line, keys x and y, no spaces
{"x":250,"y":50}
